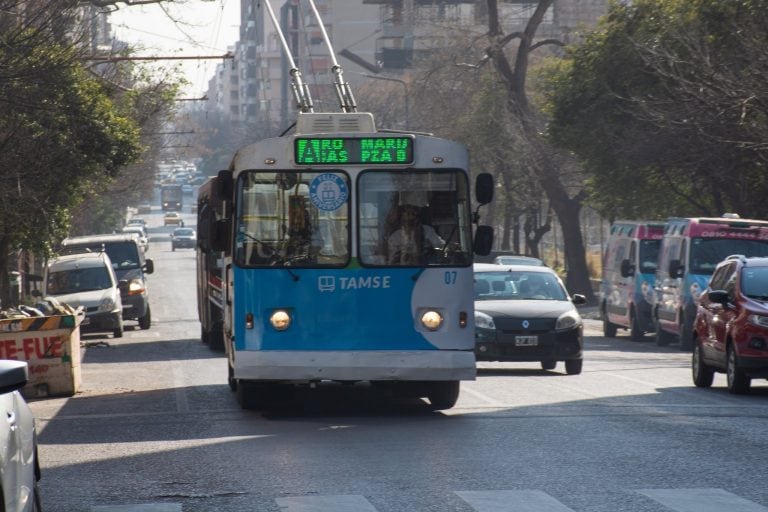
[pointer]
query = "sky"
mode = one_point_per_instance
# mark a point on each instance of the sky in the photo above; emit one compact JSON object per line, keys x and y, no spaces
{"x":204,"y":28}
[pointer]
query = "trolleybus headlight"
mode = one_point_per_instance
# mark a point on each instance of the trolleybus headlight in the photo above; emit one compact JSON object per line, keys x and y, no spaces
{"x":432,"y":320}
{"x":280,"y":319}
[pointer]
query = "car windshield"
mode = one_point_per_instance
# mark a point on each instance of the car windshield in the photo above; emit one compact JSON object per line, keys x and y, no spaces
{"x":649,"y":254}
{"x":183,"y":232}
{"x":78,"y":280}
{"x":518,"y":285}
{"x":706,"y":253}
{"x":754,"y":282}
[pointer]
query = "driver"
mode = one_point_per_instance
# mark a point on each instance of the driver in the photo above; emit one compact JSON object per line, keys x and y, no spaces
{"x":408,"y":244}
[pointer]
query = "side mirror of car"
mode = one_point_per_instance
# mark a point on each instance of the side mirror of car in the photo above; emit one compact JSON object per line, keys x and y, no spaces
{"x":224,"y":184}
{"x":676,"y":269}
{"x":149,"y":266}
{"x":484,"y":188}
{"x":718,"y":296}
{"x":122,"y":285}
{"x":218,"y":235}
{"x":578,"y":299}
{"x":627,"y":268}
{"x":483,"y":240}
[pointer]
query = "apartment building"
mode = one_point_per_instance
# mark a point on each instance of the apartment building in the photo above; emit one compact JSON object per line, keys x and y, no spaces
{"x":369,"y":37}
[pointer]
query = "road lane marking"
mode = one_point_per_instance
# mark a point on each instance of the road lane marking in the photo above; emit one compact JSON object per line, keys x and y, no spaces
{"x":340,"y":503}
{"x":702,"y":500}
{"x":512,"y":501}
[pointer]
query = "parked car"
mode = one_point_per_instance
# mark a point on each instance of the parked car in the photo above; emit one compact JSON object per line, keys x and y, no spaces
{"x":19,"y":464}
{"x":88,"y":280}
{"x":141,"y":235}
{"x":524,"y":313}
{"x":628,"y":277}
{"x":517,"y":259}
{"x":731,"y":328}
{"x":690,"y":251}
{"x":137,"y":221}
{"x":172,"y":218}
{"x":183,"y":238}
{"x":130,"y":266}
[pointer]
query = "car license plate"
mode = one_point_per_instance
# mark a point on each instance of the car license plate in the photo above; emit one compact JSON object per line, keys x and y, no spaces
{"x":526,"y":341}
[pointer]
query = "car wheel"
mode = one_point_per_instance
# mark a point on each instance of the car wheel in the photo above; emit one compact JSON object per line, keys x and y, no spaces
{"x":203,"y":335}
{"x":145,"y":322}
{"x":443,"y":394}
{"x":703,"y":375}
{"x":609,"y":329}
{"x":548,"y":364}
{"x":573,"y":366}
{"x":635,"y":331}
{"x":173,"y":248}
{"x":738,"y":382}
{"x":231,"y":378}
{"x":117,"y":332}
{"x":216,"y":338}
{"x":37,"y":501}
{"x":663,"y":338}
{"x":247,"y":395}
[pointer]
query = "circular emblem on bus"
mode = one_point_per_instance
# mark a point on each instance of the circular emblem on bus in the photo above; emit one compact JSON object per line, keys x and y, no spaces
{"x":328,"y":192}
{"x":526,"y":323}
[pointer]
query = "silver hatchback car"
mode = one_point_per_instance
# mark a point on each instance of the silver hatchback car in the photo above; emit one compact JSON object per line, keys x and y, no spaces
{"x":19,"y":466}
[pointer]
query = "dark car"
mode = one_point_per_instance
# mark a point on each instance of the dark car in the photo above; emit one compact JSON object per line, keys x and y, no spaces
{"x":524,"y":313}
{"x":130,"y":266}
{"x":731,"y":326}
{"x":183,"y":238}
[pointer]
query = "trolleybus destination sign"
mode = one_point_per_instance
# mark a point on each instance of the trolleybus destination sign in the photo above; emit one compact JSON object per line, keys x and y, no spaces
{"x":363,"y":150}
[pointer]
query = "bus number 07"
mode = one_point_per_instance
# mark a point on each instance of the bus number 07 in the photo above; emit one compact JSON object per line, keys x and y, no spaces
{"x":450,"y":277}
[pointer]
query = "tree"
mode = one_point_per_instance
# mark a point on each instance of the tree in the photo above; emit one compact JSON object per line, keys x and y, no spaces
{"x":669,"y":97}
{"x":59,"y":134}
{"x":556,"y":173}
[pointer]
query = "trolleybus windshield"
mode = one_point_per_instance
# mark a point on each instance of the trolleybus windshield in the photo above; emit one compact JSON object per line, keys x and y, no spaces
{"x":414,"y":218}
{"x":292,"y":219}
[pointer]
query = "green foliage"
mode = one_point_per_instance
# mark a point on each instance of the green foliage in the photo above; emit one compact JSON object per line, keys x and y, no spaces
{"x":60,"y":133}
{"x":663,"y":104}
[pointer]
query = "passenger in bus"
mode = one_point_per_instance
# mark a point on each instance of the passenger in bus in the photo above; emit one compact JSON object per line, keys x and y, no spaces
{"x":412,"y":241}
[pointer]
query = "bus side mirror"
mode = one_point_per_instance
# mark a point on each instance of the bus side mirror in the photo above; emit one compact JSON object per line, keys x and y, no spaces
{"x":217,"y":235}
{"x":627,"y":268}
{"x":483,"y":242}
{"x":484,"y":188}
{"x":224,"y":185}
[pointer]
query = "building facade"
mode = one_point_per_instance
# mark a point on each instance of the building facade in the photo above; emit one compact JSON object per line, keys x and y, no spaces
{"x":369,"y":37}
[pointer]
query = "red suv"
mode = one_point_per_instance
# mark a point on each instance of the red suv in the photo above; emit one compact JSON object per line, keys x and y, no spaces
{"x":731,"y":327}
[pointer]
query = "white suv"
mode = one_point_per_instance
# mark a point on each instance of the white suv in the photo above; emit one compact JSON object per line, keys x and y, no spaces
{"x":88,"y":280}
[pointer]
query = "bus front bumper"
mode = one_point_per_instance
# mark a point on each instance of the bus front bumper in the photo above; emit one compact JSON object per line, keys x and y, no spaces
{"x":355,"y":366}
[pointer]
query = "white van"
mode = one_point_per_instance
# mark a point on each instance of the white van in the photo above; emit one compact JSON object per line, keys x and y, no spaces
{"x":629,"y":269}
{"x":130,"y":266}
{"x":88,"y":280}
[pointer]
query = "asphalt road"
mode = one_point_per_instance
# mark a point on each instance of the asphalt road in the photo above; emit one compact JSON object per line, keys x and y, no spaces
{"x":156,"y":428}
